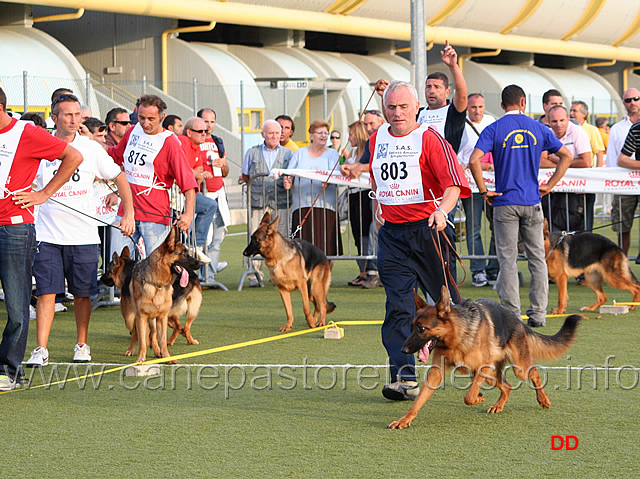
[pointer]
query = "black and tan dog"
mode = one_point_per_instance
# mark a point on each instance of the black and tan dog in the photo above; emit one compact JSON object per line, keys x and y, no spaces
{"x":592,"y":254}
{"x":294,"y":264}
{"x":479,"y":337}
{"x":186,"y":298}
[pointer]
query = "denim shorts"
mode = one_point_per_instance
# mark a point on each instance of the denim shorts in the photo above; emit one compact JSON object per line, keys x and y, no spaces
{"x":78,"y":264}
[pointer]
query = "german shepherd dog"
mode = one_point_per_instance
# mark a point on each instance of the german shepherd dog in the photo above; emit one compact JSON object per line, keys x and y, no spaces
{"x":184,"y":299}
{"x":594,"y":255}
{"x":480,"y":337}
{"x":294,"y":264}
{"x":151,"y":290}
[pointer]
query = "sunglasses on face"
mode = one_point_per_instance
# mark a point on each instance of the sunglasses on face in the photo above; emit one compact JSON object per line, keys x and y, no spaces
{"x":65,"y":97}
{"x":633,"y":98}
{"x":122,"y":122}
{"x":198,"y":131}
{"x":374,"y":112}
{"x":335,"y":137}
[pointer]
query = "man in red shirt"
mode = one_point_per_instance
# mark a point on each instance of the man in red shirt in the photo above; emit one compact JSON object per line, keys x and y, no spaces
{"x":195,"y":131}
{"x":153,"y":159}
{"x":411,"y":166}
{"x":23,"y":147}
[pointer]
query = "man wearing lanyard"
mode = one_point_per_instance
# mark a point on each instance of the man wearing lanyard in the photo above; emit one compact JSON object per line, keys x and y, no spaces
{"x":24,"y":146}
{"x":153,"y":159}
{"x":411,"y":166}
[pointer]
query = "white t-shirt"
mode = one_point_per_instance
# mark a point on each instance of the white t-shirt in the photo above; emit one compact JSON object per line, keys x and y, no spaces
{"x":60,"y":225}
{"x":576,"y":140}
{"x":470,"y":138}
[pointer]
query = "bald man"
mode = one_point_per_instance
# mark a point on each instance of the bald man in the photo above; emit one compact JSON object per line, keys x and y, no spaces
{"x":624,"y":206}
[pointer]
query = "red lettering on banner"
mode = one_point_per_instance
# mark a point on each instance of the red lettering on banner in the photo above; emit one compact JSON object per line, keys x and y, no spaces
{"x":619,"y":183}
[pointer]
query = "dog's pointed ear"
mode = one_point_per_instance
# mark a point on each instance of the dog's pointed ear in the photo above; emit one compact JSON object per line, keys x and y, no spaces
{"x":420,"y":303}
{"x":266,"y":219}
{"x":274,"y":225}
{"x":125,"y":253}
{"x":444,"y":305}
{"x":172,"y":239}
{"x":115,"y":257}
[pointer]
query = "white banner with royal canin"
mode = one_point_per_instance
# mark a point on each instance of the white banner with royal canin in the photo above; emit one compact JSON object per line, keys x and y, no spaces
{"x":619,"y":181}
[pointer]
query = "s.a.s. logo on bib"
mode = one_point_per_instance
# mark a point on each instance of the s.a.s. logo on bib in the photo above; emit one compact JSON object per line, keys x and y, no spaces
{"x":383,"y":149}
{"x":134,"y":140}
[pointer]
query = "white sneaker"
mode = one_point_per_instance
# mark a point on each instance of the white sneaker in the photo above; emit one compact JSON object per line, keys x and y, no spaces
{"x":32,"y":312}
{"x":39,"y":357}
{"x":203,"y":258}
{"x":480,"y":280}
{"x":81,"y":353}
{"x":221,"y":265}
{"x":60,"y":308}
{"x":7,"y":384}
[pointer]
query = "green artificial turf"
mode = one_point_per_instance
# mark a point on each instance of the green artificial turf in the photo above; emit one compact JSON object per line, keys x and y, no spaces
{"x":285,"y":413}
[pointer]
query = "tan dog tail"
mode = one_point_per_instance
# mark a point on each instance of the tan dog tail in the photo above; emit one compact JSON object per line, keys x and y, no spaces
{"x":551,"y":347}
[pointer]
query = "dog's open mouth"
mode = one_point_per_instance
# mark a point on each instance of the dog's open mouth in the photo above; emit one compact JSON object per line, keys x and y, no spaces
{"x":423,"y":354}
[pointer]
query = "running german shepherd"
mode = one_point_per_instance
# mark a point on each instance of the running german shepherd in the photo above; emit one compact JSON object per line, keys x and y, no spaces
{"x":479,"y":337}
{"x":294,"y":264}
{"x":184,"y":299}
{"x":594,"y":255}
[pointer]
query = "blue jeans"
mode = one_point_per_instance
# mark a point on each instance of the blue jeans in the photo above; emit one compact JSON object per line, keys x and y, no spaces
{"x":473,"y":208}
{"x":153,"y":233}
{"x":17,"y":250}
{"x":206,"y":209}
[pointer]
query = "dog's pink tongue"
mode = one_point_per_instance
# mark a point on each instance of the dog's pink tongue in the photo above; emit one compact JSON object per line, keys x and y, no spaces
{"x":184,"y":277}
{"x":423,"y":354}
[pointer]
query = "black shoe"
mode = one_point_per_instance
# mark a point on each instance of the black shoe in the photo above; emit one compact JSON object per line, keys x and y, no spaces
{"x":536,"y":324}
{"x":401,"y":391}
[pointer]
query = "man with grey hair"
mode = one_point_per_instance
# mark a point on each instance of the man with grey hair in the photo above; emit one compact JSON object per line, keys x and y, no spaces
{"x":417,"y":180}
{"x":266,"y":194}
{"x":194,"y":134}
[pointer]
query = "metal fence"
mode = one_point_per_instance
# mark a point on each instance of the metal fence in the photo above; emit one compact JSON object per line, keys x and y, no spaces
{"x":355,"y":235}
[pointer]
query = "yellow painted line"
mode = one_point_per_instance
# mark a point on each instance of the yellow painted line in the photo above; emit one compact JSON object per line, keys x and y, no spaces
{"x":631,"y":31}
{"x":589,"y":15}
{"x":522,"y":16}
{"x":446,"y":11}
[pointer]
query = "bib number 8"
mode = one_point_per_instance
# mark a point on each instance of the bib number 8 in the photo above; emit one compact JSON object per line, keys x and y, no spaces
{"x":395,"y":171}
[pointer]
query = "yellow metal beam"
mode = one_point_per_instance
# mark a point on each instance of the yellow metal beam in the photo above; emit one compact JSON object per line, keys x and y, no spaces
{"x":589,"y":15}
{"x":450,"y":7}
{"x":631,"y":31}
{"x":493,"y":53}
{"x":163,"y":43}
{"x":522,"y":16}
{"x":263,"y":16}
{"x":345,"y":7}
{"x":60,"y":17}
{"x":354,"y":6}
{"x":625,"y":77}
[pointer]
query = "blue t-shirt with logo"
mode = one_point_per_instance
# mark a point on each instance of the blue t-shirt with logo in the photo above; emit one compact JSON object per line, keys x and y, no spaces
{"x":516,"y":142}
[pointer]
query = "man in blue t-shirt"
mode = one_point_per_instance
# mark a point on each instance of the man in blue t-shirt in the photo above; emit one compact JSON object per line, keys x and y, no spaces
{"x":517,"y":143}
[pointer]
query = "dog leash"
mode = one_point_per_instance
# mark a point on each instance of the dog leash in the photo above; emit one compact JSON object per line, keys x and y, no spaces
{"x":326,"y":183}
{"x":446,"y":272}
